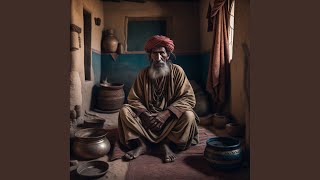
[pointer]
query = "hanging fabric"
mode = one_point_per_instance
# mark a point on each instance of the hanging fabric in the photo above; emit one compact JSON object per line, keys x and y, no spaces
{"x":218,"y":82}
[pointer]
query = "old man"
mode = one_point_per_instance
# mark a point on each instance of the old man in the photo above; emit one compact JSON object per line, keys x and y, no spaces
{"x":160,"y":105}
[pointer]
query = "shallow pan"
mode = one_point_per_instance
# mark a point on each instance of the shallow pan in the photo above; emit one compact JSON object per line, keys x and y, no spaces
{"x":94,"y":123}
{"x":93,"y":169}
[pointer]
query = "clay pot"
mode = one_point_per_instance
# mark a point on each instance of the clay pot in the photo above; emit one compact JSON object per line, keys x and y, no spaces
{"x":94,"y":123}
{"x":220,"y":120}
{"x":91,"y":143}
{"x":109,"y":41}
{"x":234,"y":129}
{"x":223,"y":152}
{"x":110,"y":97}
{"x":120,"y":49}
{"x":202,"y":106}
{"x":206,"y":120}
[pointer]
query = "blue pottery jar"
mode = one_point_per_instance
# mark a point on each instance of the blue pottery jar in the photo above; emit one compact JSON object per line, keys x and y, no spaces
{"x":223,"y":152}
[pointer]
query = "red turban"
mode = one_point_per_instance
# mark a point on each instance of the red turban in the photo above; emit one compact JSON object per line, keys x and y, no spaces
{"x":159,"y":41}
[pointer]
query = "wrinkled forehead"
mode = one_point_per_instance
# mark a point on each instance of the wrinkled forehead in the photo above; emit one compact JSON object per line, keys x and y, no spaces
{"x":158,"y":50}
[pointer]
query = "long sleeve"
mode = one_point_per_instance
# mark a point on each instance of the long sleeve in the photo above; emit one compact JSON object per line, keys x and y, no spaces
{"x":136,"y":95}
{"x":183,"y":95}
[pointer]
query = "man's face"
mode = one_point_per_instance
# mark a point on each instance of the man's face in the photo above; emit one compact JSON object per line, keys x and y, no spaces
{"x":159,"y":57}
{"x":158,"y":61}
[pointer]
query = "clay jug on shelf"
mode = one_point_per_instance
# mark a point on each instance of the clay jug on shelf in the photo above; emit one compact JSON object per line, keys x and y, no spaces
{"x":109,"y":41}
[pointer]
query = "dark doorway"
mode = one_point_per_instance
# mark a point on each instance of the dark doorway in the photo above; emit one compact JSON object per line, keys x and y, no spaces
{"x":87,"y":44}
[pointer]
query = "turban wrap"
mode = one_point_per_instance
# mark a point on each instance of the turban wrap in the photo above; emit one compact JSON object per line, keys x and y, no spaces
{"x":159,"y":41}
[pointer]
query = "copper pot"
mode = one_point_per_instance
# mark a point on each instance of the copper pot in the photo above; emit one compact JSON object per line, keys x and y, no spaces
{"x":109,"y":42}
{"x":91,"y":143}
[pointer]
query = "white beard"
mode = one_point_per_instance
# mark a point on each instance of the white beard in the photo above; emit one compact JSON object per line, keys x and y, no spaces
{"x":155,"y":73}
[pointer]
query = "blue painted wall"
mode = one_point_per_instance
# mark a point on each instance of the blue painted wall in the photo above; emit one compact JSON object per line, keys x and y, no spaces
{"x":96,"y":65}
{"x":126,"y":67}
{"x":122,"y":70}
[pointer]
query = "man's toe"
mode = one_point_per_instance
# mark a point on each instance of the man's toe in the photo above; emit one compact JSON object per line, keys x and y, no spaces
{"x":129,"y":156}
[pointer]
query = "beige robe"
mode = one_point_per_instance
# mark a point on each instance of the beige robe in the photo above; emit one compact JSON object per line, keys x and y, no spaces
{"x":179,"y":98}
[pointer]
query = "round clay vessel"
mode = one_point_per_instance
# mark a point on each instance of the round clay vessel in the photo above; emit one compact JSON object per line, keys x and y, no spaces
{"x":223,"y":152}
{"x":91,"y":143}
{"x":94,"y":123}
{"x":110,"y":97}
{"x":109,"y":41}
{"x":220,"y":120}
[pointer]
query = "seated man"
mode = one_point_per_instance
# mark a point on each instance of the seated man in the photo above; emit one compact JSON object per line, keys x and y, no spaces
{"x":160,"y":103}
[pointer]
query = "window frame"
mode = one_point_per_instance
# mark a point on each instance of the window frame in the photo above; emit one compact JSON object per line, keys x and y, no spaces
{"x":168,"y":20}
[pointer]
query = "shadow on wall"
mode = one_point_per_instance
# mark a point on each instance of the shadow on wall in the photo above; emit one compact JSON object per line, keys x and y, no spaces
{"x":127,"y":66}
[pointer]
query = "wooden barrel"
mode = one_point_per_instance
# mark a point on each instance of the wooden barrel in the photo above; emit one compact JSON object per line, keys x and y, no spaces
{"x":110,"y":97}
{"x":223,"y":152}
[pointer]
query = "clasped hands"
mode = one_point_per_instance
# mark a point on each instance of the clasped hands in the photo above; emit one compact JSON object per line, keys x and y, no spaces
{"x":154,"y":121}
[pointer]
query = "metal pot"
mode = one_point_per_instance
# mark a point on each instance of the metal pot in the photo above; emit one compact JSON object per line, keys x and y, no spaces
{"x":109,"y":41}
{"x":91,"y":143}
{"x":223,"y":152}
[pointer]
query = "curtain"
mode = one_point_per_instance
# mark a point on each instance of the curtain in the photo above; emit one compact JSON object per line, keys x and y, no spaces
{"x":218,"y":81}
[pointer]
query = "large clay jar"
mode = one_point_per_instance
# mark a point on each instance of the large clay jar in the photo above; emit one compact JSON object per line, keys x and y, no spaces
{"x":202,"y":107}
{"x":110,"y":97}
{"x":109,"y":41}
{"x":91,"y":143}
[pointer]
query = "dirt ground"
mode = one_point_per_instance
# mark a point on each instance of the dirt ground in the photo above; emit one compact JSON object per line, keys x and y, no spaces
{"x":118,"y":168}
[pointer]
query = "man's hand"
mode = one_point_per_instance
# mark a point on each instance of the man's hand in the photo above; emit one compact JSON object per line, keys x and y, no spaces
{"x":146,"y":118}
{"x":157,"y":122}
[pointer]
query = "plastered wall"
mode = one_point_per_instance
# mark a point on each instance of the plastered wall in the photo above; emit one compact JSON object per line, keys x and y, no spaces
{"x":95,"y":7}
{"x":189,"y":33}
{"x":205,"y":37}
{"x":241,"y":35}
{"x":185,"y":17}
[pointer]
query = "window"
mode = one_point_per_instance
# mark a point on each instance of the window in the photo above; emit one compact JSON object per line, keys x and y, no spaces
{"x":231,"y":29}
{"x":139,"y":29}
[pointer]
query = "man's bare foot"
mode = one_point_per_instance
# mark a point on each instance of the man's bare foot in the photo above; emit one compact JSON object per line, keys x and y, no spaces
{"x":169,"y":156}
{"x":141,"y":149}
